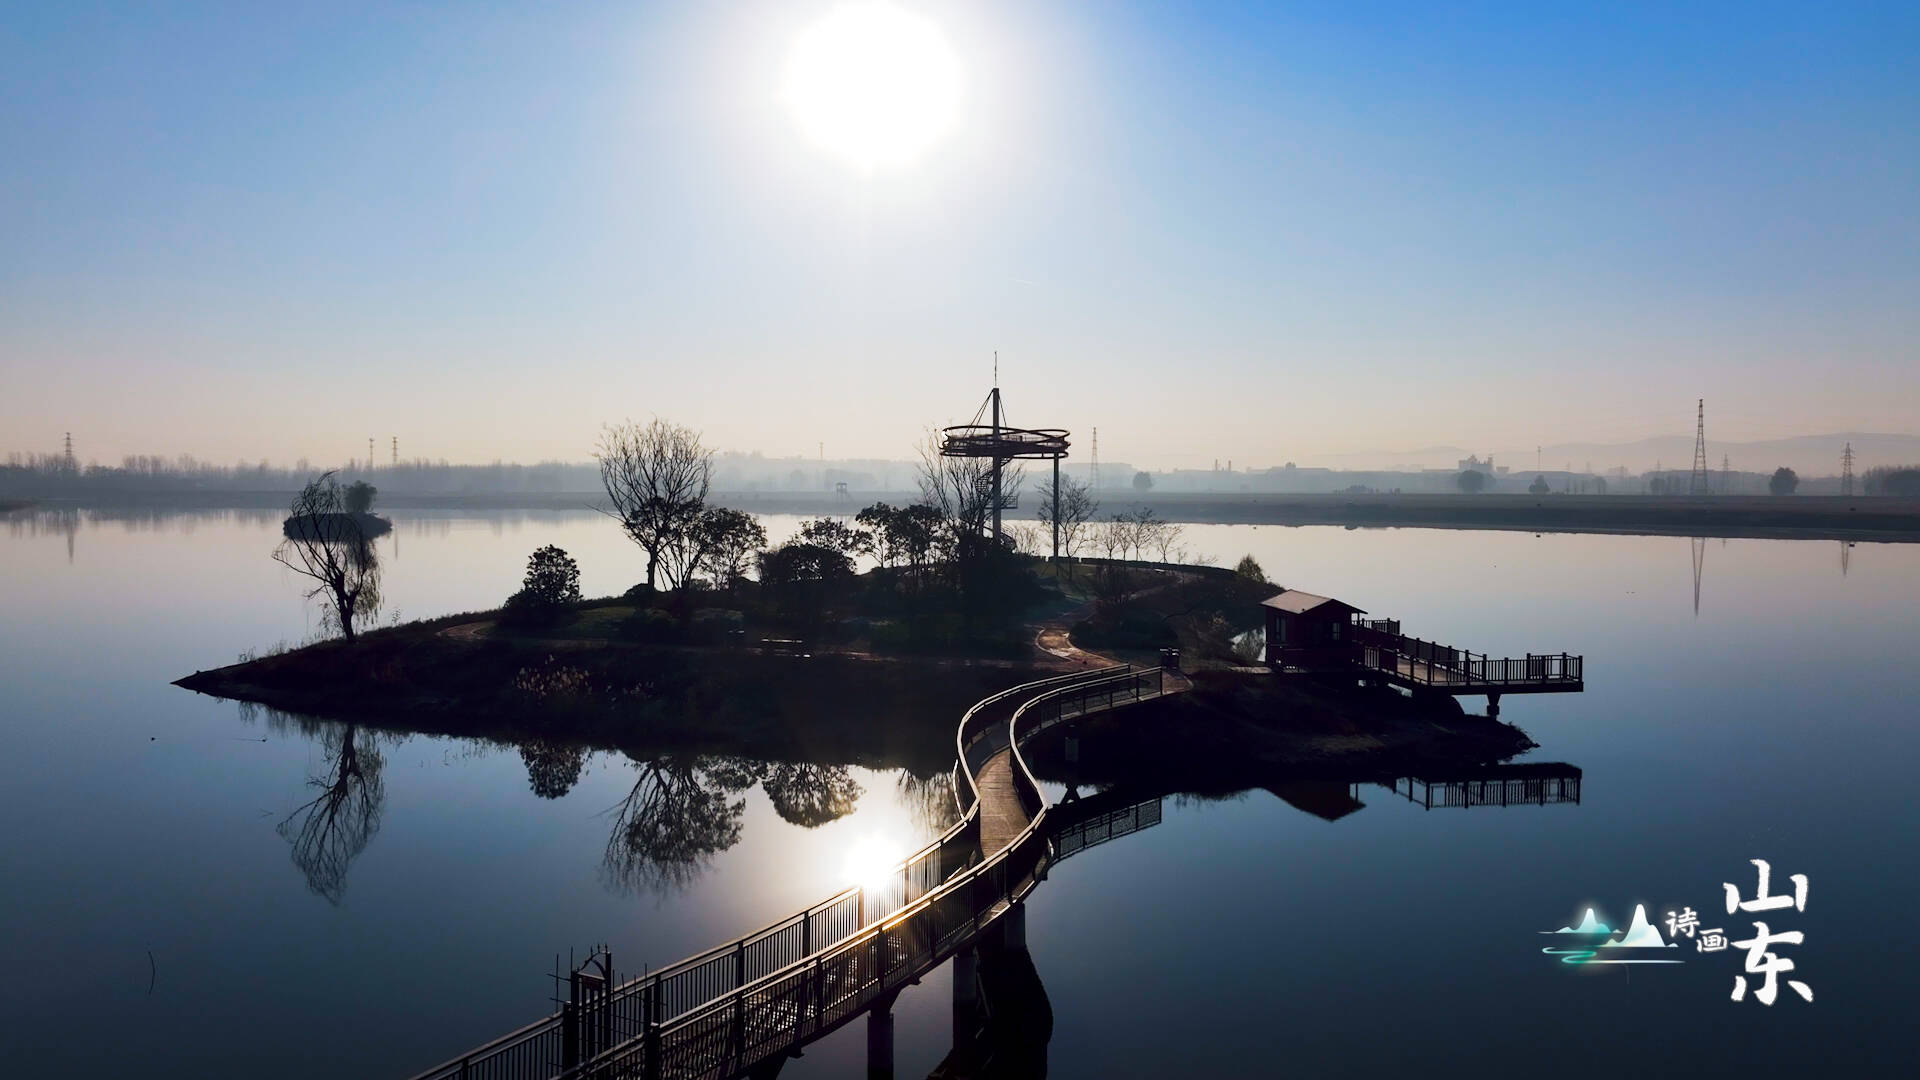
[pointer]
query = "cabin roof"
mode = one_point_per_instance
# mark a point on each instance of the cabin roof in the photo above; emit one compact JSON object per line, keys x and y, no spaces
{"x":1295,"y":602}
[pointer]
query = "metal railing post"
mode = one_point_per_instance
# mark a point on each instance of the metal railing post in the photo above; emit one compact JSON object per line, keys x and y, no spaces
{"x":653,"y":1005}
{"x":739,"y":1024}
{"x":818,"y":993}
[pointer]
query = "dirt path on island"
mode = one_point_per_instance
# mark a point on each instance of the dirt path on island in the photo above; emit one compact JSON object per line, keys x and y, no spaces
{"x":1053,"y":637}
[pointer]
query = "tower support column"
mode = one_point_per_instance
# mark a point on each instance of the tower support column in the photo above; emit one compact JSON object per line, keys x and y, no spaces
{"x":1056,"y":509}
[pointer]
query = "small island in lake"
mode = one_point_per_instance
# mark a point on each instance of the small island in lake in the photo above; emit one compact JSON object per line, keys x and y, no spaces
{"x":862,"y":637}
{"x":327,"y":512}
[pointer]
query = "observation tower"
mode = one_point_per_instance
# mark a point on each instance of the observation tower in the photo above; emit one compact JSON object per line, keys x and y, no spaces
{"x":998,"y":442}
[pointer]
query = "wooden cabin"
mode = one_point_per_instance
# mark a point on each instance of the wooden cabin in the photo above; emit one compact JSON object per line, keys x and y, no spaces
{"x":1310,"y":633}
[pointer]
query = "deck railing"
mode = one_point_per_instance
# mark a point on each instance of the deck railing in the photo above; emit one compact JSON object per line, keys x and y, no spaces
{"x":633,"y":1008}
{"x":1100,"y":828}
{"x":1443,"y":665}
{"x":1499,"y":791}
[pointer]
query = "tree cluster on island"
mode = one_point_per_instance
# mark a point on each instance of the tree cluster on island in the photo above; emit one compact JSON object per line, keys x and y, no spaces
{"x":936,"y":577}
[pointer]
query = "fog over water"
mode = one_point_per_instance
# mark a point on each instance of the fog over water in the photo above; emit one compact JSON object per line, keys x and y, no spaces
{"x":164,"y":912}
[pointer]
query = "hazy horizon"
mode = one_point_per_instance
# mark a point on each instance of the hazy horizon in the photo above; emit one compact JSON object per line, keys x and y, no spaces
{"x":1322,"y":230}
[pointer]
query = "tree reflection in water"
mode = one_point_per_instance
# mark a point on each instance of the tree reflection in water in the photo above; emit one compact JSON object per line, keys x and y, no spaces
{"x":675,"y":819}
{"x":929,"y":801}
{"x":685,"y":809}
{"x":810,"y":795}
{"x":552,"y":767}
{"x":682,"y":810}
{"x":331,"y":830}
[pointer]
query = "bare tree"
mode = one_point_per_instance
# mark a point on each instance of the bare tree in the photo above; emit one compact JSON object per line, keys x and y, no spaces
{"x":329,"y":545}
{"x":1026,"y":538}
{"x":1077,"y":510}
{"x":1113,"y":537}
{"x":1158,"y":536}
{"x":657,"y":476}
{"x":960,"y":489}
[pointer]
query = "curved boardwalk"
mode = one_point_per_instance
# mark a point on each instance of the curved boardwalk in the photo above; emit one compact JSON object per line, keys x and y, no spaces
{"x":1002,"y":818}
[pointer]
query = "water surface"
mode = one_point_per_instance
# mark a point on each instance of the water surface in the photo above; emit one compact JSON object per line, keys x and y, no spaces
{"x":165,"y":882}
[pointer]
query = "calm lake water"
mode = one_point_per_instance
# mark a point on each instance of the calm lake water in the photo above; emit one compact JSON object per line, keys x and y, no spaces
{"x":171,"y":903}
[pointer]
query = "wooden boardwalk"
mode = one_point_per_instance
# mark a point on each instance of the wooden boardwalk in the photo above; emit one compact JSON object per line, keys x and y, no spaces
{"x":1002,"y":817}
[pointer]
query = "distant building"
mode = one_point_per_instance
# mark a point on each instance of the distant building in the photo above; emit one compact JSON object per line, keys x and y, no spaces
{"x":1474,"y":464}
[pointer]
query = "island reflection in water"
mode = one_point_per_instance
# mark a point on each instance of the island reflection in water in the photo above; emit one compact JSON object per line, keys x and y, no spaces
{"x":680,"y":811}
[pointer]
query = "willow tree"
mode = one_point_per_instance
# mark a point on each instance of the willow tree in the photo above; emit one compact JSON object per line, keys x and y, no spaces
{"x":328,"y":545}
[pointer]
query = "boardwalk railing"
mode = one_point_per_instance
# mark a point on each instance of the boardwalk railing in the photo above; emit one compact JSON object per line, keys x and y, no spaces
{"x":1432,"y":663}
{"x":640,"y":1006}
{"x":1100,"y":828}
{"x":1530,"y":790}
{"x":775,"y":1015}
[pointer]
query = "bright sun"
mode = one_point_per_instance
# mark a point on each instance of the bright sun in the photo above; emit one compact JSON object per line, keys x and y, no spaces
{"x":872,"y":862}
{"x":873,"y":84}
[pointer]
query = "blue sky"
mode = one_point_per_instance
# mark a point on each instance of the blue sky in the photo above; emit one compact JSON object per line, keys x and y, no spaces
{"x":1214,"y":232}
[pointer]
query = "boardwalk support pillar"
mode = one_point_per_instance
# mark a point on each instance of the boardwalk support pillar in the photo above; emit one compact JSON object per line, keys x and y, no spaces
{"x":880,"y":1040}
{"x":1013,"y":927}
{"x":966,"y":996}
{"x":1493,"y":705}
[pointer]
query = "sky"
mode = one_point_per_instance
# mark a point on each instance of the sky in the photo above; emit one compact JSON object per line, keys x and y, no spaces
{"x":255,"y":231}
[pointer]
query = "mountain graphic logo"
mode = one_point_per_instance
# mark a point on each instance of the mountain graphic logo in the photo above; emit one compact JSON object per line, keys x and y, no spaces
{"x":1588,"y":925}
{"x":1634,"y":947}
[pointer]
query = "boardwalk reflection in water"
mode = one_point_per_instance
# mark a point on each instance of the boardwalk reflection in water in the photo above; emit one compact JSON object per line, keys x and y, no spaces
{"x":1003,"y":1018}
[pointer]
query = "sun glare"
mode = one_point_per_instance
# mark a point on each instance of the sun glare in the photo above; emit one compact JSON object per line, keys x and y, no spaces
{"x":873,"y":862}
{"x":873,"y":84}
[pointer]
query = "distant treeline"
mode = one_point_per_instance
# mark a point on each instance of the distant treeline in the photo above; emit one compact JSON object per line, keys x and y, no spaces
{"x":33,"y":475}
{"x":53,"y":474}
{"x":1893,"y":480}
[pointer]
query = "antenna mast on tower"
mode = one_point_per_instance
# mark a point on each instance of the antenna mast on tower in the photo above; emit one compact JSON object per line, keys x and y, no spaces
{"x":1697,"y":483}
{"x":69,"y":451}
{"x":396,"y":451}
{"x":1846,"y":470}
{"x":1096,"y":460}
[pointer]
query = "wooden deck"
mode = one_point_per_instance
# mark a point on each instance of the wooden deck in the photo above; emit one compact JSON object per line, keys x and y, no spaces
{"x":1001,"y":814}
{"x":1420,"y":674}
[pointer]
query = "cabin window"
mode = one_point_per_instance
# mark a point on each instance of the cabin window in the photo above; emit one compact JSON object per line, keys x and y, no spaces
{"x":1336,"y":631}
{"x":1281,"y":626}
